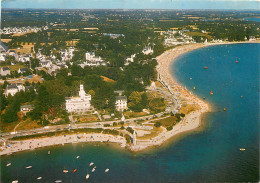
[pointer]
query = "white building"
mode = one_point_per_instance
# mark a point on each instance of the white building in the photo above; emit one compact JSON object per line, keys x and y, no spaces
{"x":121,"y":103}
{"x":79,"y":104}
{"x":147,"y":50}
{"x":2,"y":57}
{"x":4,"y":71}
{"x":13,"y":89}
{"x":24,"y":58}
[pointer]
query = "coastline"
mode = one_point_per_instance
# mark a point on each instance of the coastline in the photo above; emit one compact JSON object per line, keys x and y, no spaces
{"x":191,"y":121}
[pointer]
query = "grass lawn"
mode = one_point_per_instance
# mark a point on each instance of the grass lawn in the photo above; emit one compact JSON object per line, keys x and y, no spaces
{"x":8,"y":127}
{"x":155,"y":132}
{"x":28,"y":124}
{"x":187,"y":108}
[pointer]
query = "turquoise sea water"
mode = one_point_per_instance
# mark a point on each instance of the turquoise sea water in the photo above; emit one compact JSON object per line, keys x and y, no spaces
{"x":208,"y":155}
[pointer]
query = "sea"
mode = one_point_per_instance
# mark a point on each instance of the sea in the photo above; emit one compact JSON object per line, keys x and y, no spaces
{"x":209,"y":154}
{"x":253,"y":19}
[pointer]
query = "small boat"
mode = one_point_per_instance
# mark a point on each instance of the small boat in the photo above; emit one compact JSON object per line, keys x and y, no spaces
{"x":190,"y":78}
{"x":8,"y":164}
{"x":242,"y":149}
{"x":58,"y":181}
{"x":194,"y":88}
{"x":241,"y":96}
{"x":39,"y":178}
{"x":49,"y":152}
{"x":91,"y":164}
{"x":74,"y":170}
{"x":93,"y":170}
{"x":15,"y":181}
{"x":236,"y":61}
{"x":65,"y":171}
{"x":106,"y":170}
{"x":87,"y":176}
{"x":224,"y":109}
{"x":211,"y":93}
{"x":77,"y":157}
{"x":28,"y":167}
{"x":205,"y":67}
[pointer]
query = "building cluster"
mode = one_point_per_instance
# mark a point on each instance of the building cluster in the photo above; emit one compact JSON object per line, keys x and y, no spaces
{"x":12,"y":89}
{"x":21,"y":30}
{"x":175,"y":37}
{"x":82,"y":103}
{"x":51,"y":63}
{"x":113,"y":36}
{"x":93,"y":60}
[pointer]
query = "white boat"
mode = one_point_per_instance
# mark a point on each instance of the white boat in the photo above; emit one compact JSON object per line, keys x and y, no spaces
{"x":77,"y":157}
{"x":87,"y":176}
{"x":65,"y":171}
{"x":106,"y":170}
{"x":49,"y":152}
{"x":39,"y":178}
{"x":242,"y":149}
{"x":91,"y":164}
{"x":8,"y":164}
{"x":58,"y":181}
{"x":28,"y":167}
{"x":93,"y":170}
{"x":15,"y":181}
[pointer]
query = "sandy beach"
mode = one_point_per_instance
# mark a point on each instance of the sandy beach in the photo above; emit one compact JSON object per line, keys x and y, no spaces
{"x":193,"y":119}
{"x":30,"y":144}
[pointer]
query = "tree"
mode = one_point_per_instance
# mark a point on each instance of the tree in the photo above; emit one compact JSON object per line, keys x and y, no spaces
{"x":92,"y":93}
{"x":157,"y":124}
{"x":134,"y":98}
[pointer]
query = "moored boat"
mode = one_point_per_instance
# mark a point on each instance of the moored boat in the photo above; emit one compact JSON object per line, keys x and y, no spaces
{"x":87,"y":176}
{"x":8,"y":164}
{"x":205,"y":67}
{"x":242,"y":149}
{"x":91,"y":164}
{"x":74,"y":170}
{"x":211,"y":93}
{"x":39,"y":178}
{"x":28,"y":167}
{"x":106,"y":170}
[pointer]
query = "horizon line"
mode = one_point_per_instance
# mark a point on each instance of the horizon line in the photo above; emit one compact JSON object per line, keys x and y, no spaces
{"x":128,"y":9}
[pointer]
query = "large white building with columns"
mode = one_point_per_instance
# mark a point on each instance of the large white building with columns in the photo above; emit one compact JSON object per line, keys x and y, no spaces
{"x":79,"y":104}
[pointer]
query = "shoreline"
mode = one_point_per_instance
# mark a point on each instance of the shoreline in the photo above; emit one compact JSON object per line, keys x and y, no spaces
{"x":191,"y":121}
{"x":31,"y":144}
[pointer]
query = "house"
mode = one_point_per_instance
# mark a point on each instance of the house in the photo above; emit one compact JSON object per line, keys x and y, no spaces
{"x":26,"y":108}
{"x":24,"y":58}
{"x":13,"y":89}
{"x":79,"y":104}
{"x":13,"y":54}
{"x":121,"y":103}
{"x":3,"y":47}
{"x":2,"y":57}
{"x":46,"y":64}
{"x":130,"y":59}
{"x":22,"y":70}
{"x":147,"y":50}
{"x":4,"y":71}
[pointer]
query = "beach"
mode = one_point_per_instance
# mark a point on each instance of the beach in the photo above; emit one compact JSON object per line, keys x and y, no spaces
{"x":182,"y":95}
{"x":30,"y":144}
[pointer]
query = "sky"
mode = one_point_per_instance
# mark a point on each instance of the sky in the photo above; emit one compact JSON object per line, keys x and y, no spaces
{"x":133,"y":4}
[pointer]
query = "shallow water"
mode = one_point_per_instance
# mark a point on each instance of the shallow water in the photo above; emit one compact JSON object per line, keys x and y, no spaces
{"x":208,"y":155}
